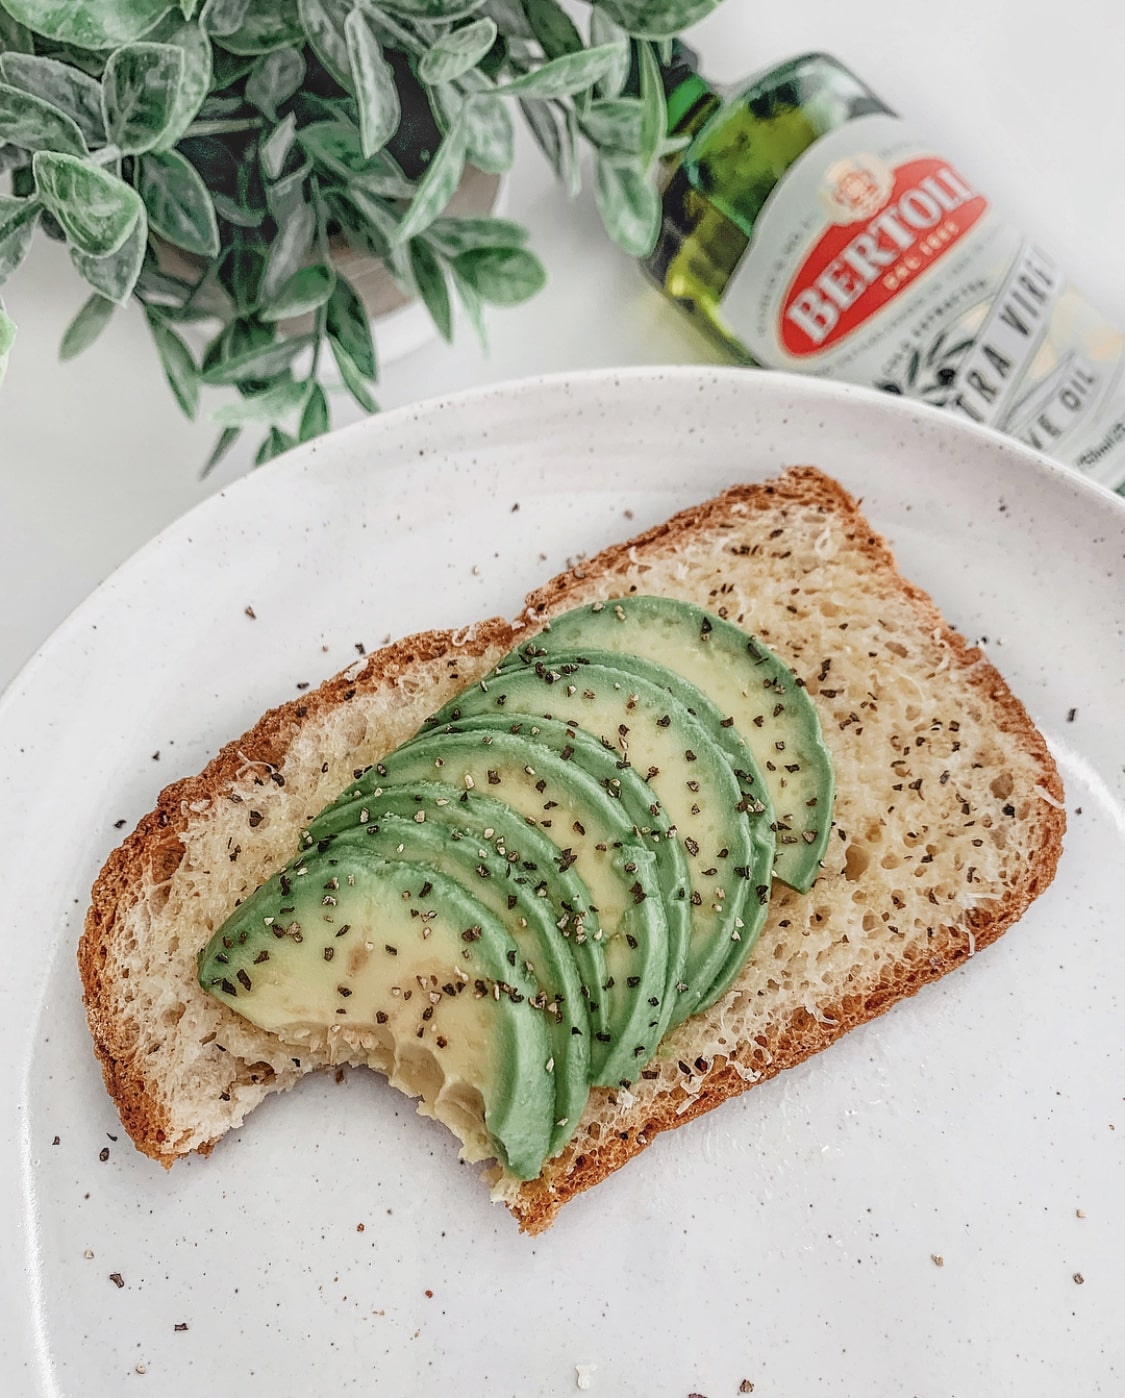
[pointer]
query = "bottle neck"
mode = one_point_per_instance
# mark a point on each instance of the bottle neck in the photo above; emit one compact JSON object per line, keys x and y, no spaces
{"x":690,"y":101}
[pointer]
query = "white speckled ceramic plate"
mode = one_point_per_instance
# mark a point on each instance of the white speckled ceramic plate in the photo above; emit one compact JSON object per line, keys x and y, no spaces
{"x":932,"y":1207}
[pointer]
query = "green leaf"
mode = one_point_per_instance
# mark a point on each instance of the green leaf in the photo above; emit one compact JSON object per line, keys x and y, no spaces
{"x":323,"y":24}
{"x":227,"y":438}
{"x":89,"y":24}
{"x":553,"y":28}
{"x":179,"y":367}
{"x":561,"y":77}
{"x":17,"y":226}
{"x":502,"y":276}
{"x":115,"y":275}
{"x":629,"y":206}
{"x":140,"y":89}
{"x":262,"y":362}
{"x":373,"y":83}
{"x":14,"y":37}
{"x":349,"y":327}
{"x":453,"y":236}
{"x":604,"y":31}
{"x":437,"y":185}
{"x":474,"y":307}
{"x":7,"y":339}
{"x":271,"y":405}
{"x":336,"y":147}
{"x":489,"y":132}
{"x":237,"y":337}
{"x":656,"y":19}
{"x":96,"y":210}
{"x":286,"y":196}
{"x":303,"y":292}
{"x":33,"y":124}
{"x":573,"y":162}
{"x":86,"y":326}
{"x":429,"y":278}
{"x":432,"y":9}
{"x":275,"y":78}
{"x":369,"y":223}
{"x":614,"y":126}
{"x":456,"y":52}
{"x":69,"y":90}
{"x":315,"y":418}
{"x":544,"y":126}
{"x":353,"y":380}
{"x":510,"y":18}
{"x":275,"y":444}
{"x":179,"y":206}
{"x":195,"y":83}
{"x":654,"y":116}
{"x":229,"y":67}
{"x":266,"y":25}
{"x":233,"y":212}
{"x":223,"y":17}
{"x":289,"y":250}
{"x":276,"y":146}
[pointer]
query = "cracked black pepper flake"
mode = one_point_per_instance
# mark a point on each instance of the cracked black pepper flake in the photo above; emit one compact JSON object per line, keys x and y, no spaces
{"x":103,"y":1154}
{"x":117,"y":1279}
{"x":180,"y":1325}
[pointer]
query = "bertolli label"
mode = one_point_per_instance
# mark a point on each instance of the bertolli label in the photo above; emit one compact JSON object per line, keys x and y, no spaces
{"x":877,"y":262}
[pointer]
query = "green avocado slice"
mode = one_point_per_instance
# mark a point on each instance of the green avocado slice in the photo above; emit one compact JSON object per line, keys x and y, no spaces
{"x":531,"y":856}
{"x":401,"y":962}
{"x":607,"y":833}
{"x":645,"y":725}
{"x":745,"y":680}
{"x":510,"y":897}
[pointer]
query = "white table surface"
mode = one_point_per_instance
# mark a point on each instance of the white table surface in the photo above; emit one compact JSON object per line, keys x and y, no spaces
{"x":95,"y":457}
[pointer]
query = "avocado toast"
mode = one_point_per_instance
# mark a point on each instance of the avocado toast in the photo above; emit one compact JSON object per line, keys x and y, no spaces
{"x":946,"y":825}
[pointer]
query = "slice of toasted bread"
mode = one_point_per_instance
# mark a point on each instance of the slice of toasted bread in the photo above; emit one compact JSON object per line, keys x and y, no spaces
{"x":948,"y":823}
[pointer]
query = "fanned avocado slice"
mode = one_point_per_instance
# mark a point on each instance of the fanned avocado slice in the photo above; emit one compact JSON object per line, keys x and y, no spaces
{"x":512,"y":900}
{"x":636,"y":878}
{"x":406,"y":965}
{"x":643,"y":723}
{"x":745,"y":680}
{"x":531,"y":857}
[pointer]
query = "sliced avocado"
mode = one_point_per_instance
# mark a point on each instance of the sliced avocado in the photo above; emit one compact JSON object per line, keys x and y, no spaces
{"x":511,"y":898}
{"x":645,"y":725}
{"x":744,"y":679}
{"x":531,"y":857}
{"x":632,"y":872}
{"x":401,"y":962}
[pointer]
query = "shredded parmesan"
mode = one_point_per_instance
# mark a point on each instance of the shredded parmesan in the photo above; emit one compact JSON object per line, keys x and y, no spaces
{"x":1045,"y":795}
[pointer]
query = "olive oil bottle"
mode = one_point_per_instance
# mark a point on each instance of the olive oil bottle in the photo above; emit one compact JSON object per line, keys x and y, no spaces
{"x":806,"y":228}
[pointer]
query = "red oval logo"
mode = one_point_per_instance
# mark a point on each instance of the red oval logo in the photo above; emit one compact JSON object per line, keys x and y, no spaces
{"x":849,"y":275}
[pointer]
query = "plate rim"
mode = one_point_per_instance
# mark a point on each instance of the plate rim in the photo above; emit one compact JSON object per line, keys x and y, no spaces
{"x":301,"y":458}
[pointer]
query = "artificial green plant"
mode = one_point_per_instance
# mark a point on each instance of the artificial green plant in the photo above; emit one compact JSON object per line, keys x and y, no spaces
{"x":207,"y":159}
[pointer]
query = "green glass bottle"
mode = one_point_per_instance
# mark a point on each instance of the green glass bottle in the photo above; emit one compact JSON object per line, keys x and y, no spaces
{"x":806,"y":228}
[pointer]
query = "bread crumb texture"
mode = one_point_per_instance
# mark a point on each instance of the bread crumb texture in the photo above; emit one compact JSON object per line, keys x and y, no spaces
{"x":948,"y":822}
